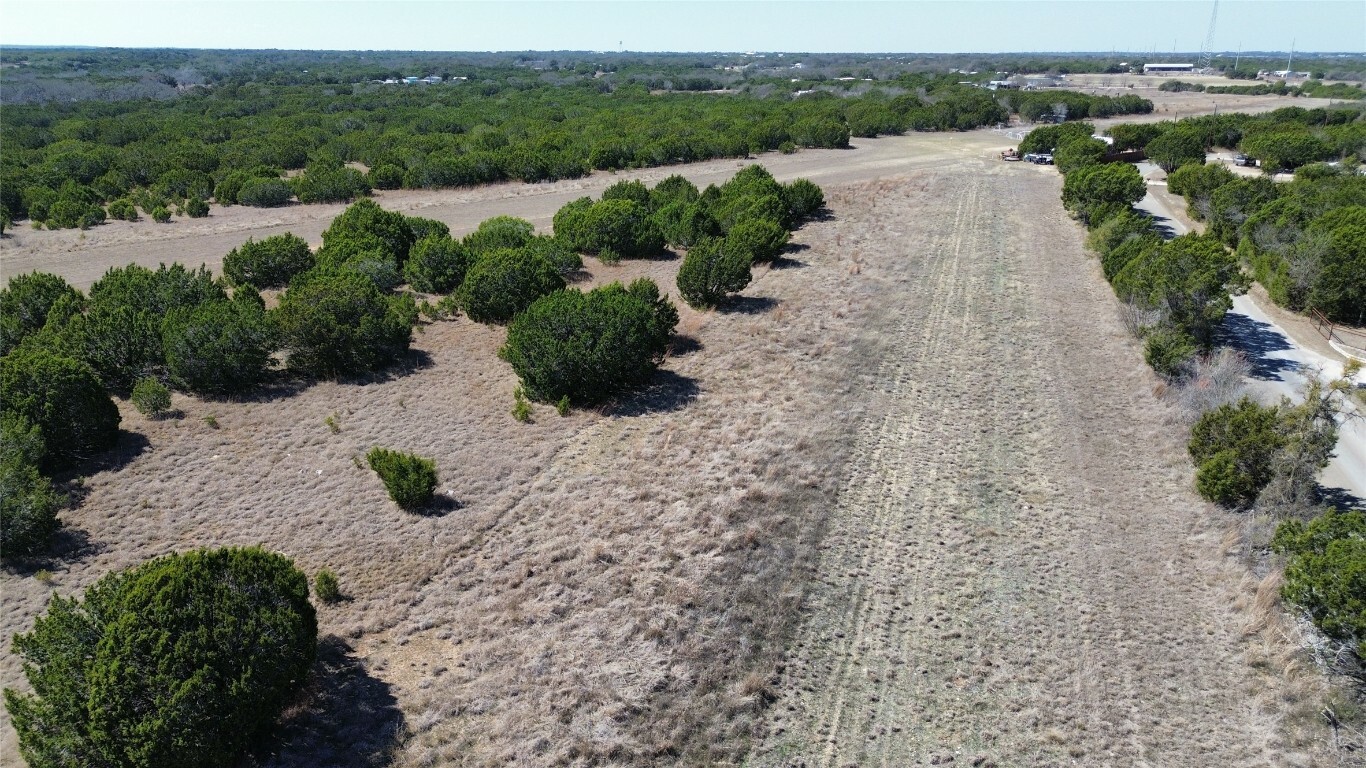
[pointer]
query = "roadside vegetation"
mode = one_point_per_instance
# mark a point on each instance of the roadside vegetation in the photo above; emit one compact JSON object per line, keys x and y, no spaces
{"x":1306,"y":242}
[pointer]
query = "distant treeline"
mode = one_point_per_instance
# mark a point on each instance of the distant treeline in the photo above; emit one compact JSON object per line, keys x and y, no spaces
{"x":1312,"y":88}
{"x":69,"y":165}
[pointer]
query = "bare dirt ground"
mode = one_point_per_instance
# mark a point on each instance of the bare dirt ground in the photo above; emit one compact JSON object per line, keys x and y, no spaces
{"x":910,"y":497}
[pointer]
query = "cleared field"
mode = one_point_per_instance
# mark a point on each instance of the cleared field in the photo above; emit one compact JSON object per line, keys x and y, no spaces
{"x":909,"y":497}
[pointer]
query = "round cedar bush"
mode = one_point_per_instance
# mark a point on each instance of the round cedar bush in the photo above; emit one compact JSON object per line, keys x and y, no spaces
{"x":503,"y":283}
{"x":763,"y":240}
{"x":28,"y":509}
{"x":326,"y":586}
{"x":220,"y":347}
{"x":337,"y":323}
{"x":804,"y":199}
{"x":196,"y":208}
{"x":499,"y":233}
{"x":436,"y":264}
{"x":621,"y":226}
{"x":409,"y":479}
{"x":365,"y":219}
{"x":1169,"y":352}
{"x":269,"y":263}
{"x":1326,"y":573}
{"x":589,"y":346}
{"x":64,"y":399}
{"x":1233,"y":447}
{"x":185,"y":660}
{"x":710,"y":271}
{"x":25,"y":304}
{"x":264,"y":193}
{"x":160,"y":215}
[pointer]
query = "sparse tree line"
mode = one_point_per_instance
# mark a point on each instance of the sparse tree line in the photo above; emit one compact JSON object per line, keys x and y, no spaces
{"x":1176,"y":293}
{"x":1311,"y":88}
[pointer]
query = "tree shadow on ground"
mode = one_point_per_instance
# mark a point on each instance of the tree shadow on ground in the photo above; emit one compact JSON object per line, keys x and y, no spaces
{"x":440,"y":506}
{"x":1162,"y":225}
{"x":1257,"y":340}
{"x":68,"y":545}
{"x":129,"y":446}
{"x":681,"y":345}
{"x":577,"y":276}
{"x":783,"y":262}
{"x":667,"y":392}
{"x":1341,"y":498}
{"x":344,"y":717}
{"x":747,"y":305}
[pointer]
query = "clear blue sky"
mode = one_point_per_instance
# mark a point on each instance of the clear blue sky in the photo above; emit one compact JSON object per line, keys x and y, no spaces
{"x":686,"y":25}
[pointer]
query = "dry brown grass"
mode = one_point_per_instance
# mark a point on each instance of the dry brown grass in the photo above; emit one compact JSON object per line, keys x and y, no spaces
{"x":621,"y":585}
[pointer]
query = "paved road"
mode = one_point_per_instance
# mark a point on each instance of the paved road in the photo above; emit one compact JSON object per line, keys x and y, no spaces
{"x":1280,"y":367}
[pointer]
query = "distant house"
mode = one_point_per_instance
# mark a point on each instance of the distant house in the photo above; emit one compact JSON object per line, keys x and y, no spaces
{"x":412,"y":80}
{"x":1153,"y":69}
{"x":431,"y":79}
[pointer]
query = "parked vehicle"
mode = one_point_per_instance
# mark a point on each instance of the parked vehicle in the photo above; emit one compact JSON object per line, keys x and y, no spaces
{"x":1244,"y":160}
{"x":1039,"y":158}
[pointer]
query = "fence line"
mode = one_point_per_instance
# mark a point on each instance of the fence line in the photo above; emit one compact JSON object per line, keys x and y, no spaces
{"x":1349,"y":342}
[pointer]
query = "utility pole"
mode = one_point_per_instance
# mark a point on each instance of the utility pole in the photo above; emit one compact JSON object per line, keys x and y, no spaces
{"x":1207,"y":52}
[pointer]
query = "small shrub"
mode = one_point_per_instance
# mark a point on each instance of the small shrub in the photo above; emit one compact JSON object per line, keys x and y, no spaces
{"x":562,"y":406}
{"x":331,"y":423}
{"x":326,"y":586}
{"x":499,"y":233}
{"x":436,"y":264}
{"x":521,"y":409}
{"x":123,"y":210}
{"x":151,"y":397}
{"x":196,"y":208}
{"x":264,"y":193}
{"x":762,"y":240}
{"x":804,"y":200}
{"x":787,"y":148}
{"x":160,"y":215}
{"x":211,"y":421}
{"x":710,"y":271}
{"x":410,"y":480}
{"x":1169,"y":352}
{"x":268,"y":263}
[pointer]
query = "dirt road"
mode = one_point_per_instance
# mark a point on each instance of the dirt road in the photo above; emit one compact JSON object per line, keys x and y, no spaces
{"x":1018,"y":572}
